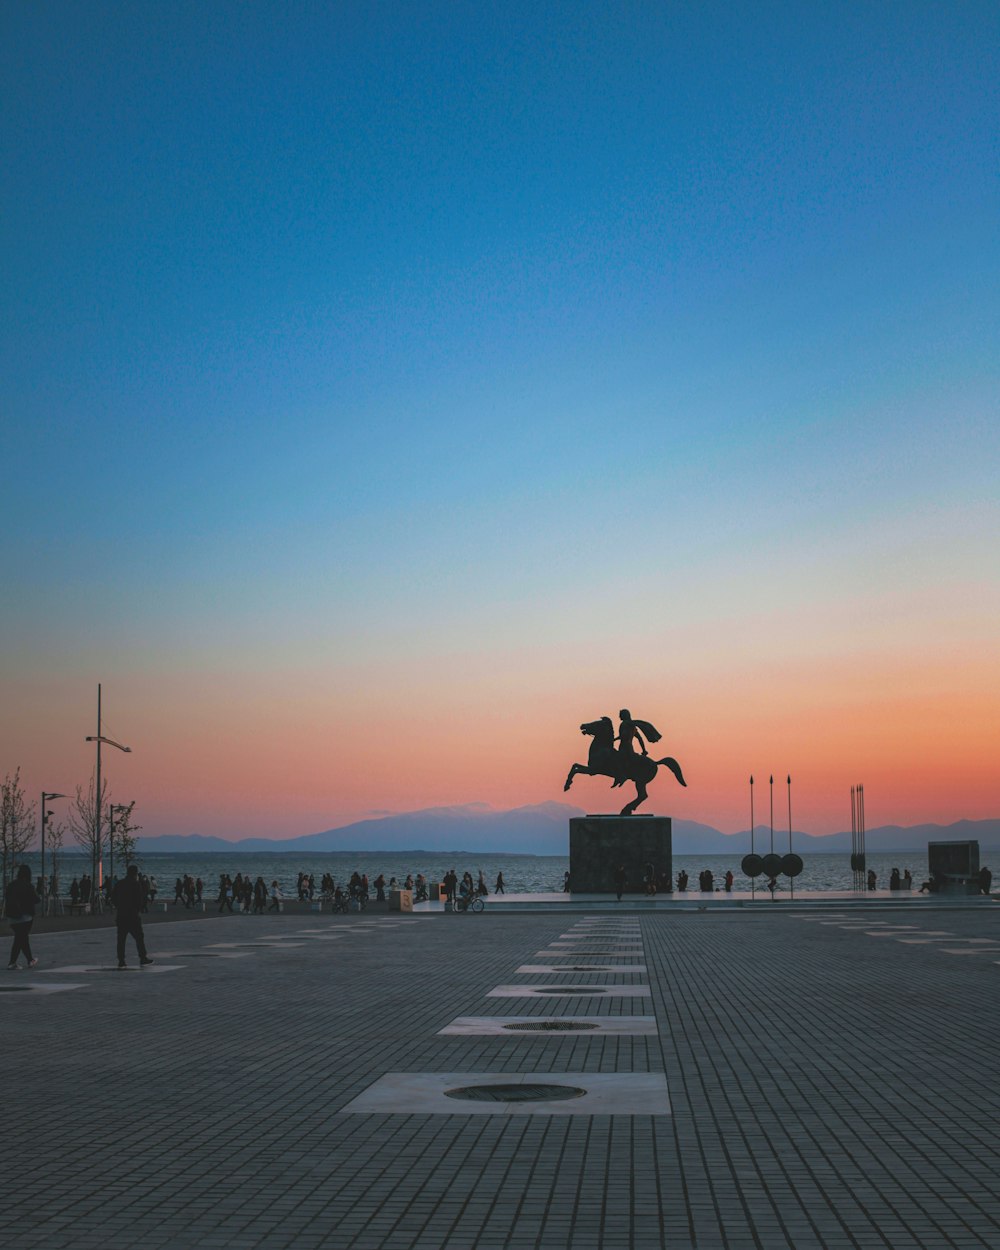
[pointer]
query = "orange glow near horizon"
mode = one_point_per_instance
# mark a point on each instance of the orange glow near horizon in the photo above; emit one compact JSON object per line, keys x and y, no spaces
{"x":290,"y":755}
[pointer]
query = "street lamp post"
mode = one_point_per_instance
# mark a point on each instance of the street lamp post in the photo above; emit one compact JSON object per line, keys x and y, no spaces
{"x":47,"y":796}
{"x":99,"y":738}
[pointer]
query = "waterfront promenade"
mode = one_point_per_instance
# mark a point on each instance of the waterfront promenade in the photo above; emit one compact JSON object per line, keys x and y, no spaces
{"x":762,"y":1077}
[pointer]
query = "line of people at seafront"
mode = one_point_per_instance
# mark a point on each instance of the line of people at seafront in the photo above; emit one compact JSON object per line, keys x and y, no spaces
{"x":466,"y":889}
{"x":706,"y":881}
{"x":241,"y":893}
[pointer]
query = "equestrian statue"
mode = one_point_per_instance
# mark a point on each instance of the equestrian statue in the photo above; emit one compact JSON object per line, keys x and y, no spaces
{"x":623,"y":764}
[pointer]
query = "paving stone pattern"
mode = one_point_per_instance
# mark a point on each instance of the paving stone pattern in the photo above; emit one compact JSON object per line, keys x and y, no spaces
{"x":827,"y":1088}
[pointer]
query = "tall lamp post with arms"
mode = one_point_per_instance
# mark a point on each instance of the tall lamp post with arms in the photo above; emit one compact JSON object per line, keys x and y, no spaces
{"x":47,"y":796}
{"x":99,"y":738}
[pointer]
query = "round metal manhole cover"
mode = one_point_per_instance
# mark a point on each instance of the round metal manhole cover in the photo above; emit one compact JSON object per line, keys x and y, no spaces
{"x":549,"y":1026}
{"x":515,"y":1093}
{"x":15,"y":989}
{"x":570,"y":989}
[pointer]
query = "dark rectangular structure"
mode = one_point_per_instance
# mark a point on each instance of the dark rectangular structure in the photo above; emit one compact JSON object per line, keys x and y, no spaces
{"x":955,"y":865}
{"x":598,"y":844}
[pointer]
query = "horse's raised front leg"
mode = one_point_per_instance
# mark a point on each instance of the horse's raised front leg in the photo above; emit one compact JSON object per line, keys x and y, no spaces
{"x":577,"y":768}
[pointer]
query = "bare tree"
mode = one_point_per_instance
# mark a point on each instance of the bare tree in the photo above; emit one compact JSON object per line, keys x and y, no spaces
{"x":54,"y":845}
{"x":123,"y":833}
{"x":83,"y":817}
{"x":17,"y":824}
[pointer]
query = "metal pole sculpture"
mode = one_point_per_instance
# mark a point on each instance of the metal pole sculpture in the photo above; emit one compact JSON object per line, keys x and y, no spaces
{"x":861,"y":826}
{"x":791,"y":879}
{"x":772,"y":814}
{"x":854,"y":841}
{"x":753,"y":880}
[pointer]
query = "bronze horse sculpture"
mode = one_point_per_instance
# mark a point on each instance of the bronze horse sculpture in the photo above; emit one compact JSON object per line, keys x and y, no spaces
{"x":604,"y":761}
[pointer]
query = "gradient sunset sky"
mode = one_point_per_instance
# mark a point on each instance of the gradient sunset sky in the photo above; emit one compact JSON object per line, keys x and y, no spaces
{"x":388,"y":388}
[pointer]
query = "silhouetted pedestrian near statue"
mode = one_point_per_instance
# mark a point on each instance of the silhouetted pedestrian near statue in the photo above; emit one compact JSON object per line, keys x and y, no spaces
{"x":19,"y":904}
{"x":276,"y":897}
{"x":498,"y":888}
{"x":225,"y":892}
{"x":620,"y":881}
{"x":450,"y":884}
{"x":985,"y":880}
{"x":127,"y":899}
{"x":729,"y":880}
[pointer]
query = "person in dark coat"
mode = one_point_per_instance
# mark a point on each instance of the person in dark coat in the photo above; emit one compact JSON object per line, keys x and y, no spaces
{"x":620,"y":878}
{"x":128,"y":903}
{"x":19,"y":904}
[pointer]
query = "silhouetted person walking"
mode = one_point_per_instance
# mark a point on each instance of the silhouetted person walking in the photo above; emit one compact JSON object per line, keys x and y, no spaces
{"x":620,"y":881}
{"x":127,"y":899}
{"x":19,"y":904}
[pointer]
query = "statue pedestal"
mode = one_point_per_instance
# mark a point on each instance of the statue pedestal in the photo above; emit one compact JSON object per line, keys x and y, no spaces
{"x":598,"y":844}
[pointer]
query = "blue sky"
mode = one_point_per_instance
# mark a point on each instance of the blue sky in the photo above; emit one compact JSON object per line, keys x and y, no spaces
{"x":341,"y":338}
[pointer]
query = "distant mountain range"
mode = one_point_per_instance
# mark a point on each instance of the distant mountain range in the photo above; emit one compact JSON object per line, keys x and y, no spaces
{"x":543,"y":829}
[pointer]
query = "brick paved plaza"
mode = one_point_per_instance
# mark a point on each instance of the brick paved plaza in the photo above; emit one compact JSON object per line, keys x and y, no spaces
{"x":816,"y":1077}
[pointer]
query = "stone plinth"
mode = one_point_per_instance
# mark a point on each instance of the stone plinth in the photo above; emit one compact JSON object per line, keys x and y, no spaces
{"x":598,"y":844}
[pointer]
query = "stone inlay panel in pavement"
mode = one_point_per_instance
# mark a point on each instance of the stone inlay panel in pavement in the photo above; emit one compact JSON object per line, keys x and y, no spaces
{"x":595,"y":1026}
{"x":76,"y":969}
{"x":424,"y":1093}
{"x":579,"y":955}
{"x":8,"y":992}
{"x":567,"y":991}
{"x":581,"y":967}
{"x":203,"y":955}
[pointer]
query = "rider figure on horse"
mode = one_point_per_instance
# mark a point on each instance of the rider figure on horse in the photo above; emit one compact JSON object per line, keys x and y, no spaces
{"x":629,"y":730}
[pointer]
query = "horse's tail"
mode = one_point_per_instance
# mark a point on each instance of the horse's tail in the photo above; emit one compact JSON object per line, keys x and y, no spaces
{"x":674,"y":767}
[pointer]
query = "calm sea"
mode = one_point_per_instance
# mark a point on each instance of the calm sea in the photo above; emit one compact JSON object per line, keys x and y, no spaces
{"x":522,"y":873}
